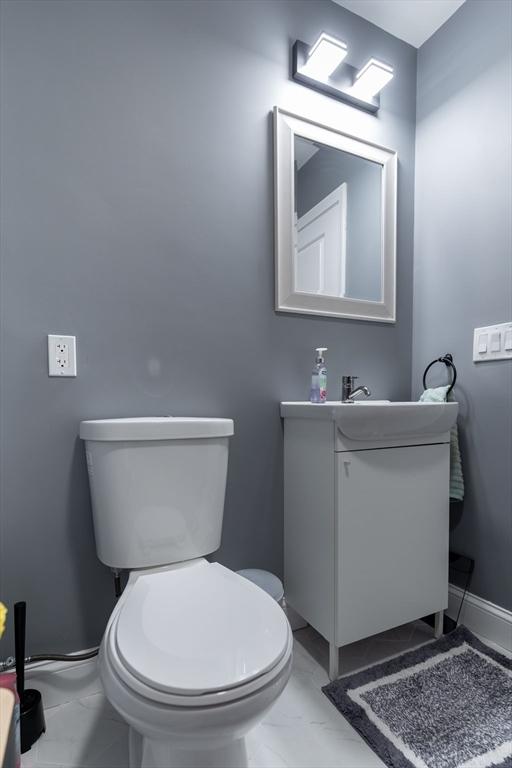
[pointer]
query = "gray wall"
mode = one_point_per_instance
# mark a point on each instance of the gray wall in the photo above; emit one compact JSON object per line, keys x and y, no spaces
{"x":137,"y":213}
{"x":463,"y":263}
{"x":322,"y":173}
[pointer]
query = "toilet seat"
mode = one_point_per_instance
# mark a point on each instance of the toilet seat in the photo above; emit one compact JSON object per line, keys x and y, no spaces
{"x":177,"y":639}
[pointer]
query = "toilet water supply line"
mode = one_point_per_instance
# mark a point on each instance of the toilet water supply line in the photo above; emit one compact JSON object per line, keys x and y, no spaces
{"x":10,"y":661}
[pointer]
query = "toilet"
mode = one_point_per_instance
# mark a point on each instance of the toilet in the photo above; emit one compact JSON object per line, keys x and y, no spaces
{"x":193,"y":655}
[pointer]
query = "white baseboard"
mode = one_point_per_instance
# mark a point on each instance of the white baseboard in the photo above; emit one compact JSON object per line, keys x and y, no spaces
{"x":482,"y":617}
{"x":62,"y":681}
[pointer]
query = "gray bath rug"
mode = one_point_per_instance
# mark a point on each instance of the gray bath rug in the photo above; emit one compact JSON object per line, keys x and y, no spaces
{"x":447,"y":704}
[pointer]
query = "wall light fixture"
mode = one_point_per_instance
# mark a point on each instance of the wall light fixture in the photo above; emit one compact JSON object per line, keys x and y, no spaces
{"x":324,"y":57}
{"x":321,"y":66}
{"x":371,"y":79}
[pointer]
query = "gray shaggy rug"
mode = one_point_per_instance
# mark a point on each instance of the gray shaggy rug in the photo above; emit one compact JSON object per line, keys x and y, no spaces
{"x":447,"y":704}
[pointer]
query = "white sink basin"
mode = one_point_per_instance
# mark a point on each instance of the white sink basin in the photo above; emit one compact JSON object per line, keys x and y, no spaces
{"x":378,"y":419}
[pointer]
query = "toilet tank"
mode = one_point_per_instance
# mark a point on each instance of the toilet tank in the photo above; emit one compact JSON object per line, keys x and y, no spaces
{"x":157,"y":487}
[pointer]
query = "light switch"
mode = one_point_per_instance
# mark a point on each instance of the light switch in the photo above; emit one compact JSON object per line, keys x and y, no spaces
{"x":492,"y":343}
{"x":482,"y":343}
{"x":495,"y":342}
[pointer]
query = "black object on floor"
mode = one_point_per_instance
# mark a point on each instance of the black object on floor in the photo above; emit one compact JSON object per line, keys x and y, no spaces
{"x":32,"y":723}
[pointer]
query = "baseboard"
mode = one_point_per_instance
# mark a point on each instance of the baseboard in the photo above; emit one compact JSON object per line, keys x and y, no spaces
{"x":62,"y":681}
{"x":482,"y":617}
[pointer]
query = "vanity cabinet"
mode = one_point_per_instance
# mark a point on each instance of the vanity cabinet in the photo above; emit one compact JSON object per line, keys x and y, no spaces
{"x":365,"y":523}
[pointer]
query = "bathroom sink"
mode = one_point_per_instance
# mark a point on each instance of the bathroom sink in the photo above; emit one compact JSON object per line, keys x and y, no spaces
{"x":378,"y":419}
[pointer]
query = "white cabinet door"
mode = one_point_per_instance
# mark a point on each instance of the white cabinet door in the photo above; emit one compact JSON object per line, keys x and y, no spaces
{"x":392,"y":538}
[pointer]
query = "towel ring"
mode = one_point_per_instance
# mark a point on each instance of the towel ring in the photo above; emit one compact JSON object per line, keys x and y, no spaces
{"x":448,"y":361}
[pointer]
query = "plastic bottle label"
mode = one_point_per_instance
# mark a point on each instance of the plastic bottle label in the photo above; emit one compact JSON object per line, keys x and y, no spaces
{"x":322,"y":383}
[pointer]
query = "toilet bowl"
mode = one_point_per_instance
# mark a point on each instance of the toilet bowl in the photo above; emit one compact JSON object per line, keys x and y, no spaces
{"x":193,"y":657}
{"x":193,"y":654}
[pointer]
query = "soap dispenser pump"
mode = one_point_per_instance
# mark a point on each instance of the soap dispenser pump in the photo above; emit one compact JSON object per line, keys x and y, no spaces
{"x":318,"y":392}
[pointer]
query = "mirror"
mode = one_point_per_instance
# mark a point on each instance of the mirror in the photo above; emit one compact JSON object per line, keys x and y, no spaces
{"x":335,"y":199}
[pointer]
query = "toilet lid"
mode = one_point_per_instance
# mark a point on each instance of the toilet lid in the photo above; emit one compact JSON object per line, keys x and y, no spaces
{"x":198,"y":629}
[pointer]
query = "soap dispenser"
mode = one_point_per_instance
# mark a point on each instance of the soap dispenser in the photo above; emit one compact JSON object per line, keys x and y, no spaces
{"x":318,"y":392}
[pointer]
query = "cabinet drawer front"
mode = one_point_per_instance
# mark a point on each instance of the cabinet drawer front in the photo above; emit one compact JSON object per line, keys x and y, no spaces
{"x":392,"y":536}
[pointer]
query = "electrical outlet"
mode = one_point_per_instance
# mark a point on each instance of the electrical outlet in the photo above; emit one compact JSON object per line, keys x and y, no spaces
{"x":61,"y":355}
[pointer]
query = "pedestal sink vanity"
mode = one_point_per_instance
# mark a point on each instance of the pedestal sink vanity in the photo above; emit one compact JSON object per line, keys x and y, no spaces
{"x":366,"y":497}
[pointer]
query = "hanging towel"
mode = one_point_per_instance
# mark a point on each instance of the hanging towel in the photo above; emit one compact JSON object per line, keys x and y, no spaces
{"x":438,"y":395}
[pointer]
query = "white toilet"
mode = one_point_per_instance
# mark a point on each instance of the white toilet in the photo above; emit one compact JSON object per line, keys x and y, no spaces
{"x":193,"y":654}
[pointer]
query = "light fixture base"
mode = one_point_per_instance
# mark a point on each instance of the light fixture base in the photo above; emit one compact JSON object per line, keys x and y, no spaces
{"x":337,"y":85}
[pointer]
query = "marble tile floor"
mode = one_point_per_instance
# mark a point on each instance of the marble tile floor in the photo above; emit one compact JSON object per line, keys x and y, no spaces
{"x":303,"y":730}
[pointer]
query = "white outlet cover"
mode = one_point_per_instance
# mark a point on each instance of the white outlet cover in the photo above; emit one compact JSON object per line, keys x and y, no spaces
{"x":61,"y":355}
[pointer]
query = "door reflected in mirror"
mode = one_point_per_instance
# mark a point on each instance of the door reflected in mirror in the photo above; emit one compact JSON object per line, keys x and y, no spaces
{"x":338,"y":222}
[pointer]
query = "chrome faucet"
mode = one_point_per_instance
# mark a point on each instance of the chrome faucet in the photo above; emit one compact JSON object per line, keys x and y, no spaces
{"x":348,"y":393}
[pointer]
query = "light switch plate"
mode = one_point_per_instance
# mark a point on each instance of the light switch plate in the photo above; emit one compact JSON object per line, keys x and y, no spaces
{"x":61,"y":355}
{"x":493,"y":342}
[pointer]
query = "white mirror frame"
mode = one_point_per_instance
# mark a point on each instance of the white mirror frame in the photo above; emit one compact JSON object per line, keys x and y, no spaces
{"x":286,"y":127}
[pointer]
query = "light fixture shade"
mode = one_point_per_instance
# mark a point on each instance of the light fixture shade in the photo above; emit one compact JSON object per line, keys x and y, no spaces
{"x":371,"y":79}
{"x":325,"y":55}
